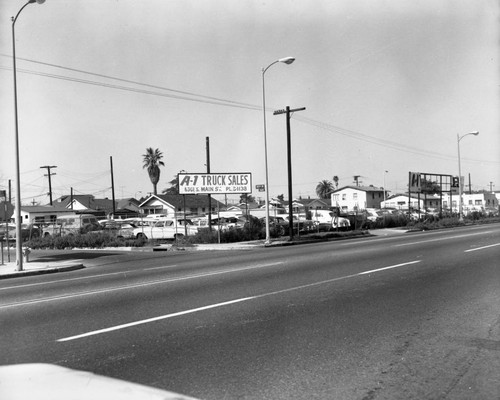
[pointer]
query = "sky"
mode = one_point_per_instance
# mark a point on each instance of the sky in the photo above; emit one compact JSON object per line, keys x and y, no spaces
{"x":387,"y":87}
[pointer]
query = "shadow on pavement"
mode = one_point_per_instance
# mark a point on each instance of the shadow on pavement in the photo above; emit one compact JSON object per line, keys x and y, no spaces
{"x":73,"y":255}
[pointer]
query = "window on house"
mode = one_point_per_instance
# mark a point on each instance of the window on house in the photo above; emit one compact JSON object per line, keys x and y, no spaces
{"x":344,"y":196}
{"x":479,"y":202}
{"x":470,"y":202}
{"x":354,"y":196}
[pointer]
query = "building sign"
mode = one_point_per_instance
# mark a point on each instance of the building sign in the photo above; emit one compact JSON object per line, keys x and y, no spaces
{"x":260,"y":188}
{"x":215,"y":183}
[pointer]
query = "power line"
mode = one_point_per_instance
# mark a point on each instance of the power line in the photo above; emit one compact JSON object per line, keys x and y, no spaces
{"x":230,"y":103}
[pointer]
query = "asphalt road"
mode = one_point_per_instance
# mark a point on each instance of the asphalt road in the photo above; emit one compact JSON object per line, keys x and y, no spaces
{"x":413,"y":316}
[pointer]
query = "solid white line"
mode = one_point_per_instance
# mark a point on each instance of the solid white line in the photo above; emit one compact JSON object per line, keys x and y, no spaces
{"x":153,"y":268}
{"x":74,"y":279}
{"x":444,"y":238}
{"x":145,"y":321}
{"x":137,"y":285}
{"x":481,"y":248}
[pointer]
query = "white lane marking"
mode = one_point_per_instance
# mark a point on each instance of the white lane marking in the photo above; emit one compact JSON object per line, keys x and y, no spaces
{"x":438,"y":239}
{"x":79,"y":278}
{"x":392,"y":266}
{"x":145,"y":321}
{"x":137,"y":285}
{"x":226,"y":303}
{"x":153,"y":268}
{"x":481,"y":248}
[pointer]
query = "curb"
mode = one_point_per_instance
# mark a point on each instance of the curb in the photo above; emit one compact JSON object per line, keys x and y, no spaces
{"x":48,"y":270}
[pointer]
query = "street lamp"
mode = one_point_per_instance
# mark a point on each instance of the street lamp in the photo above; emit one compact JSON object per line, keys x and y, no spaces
{"x":460,"y":205}
{"x":286,"y":60}
{"x":19,"y":255}
{"x":385,"y":172}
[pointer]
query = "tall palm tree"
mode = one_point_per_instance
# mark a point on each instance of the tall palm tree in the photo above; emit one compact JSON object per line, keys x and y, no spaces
{"x":152,"y":161}
{"x":336,"y":180}
{"x":324,"y":188}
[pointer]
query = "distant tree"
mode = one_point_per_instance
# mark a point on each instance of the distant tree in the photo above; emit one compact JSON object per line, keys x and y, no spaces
{"x":174,"y":187}
{"x":429,"y":187}
{"x":247,"y":198}
{"x":281,"y":197}
{"x":152,"y":161}
{"x":336,"y":181}
{"x":324,"y":188}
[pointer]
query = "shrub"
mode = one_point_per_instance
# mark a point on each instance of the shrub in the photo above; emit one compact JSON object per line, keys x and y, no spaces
{"x":99,"y":239}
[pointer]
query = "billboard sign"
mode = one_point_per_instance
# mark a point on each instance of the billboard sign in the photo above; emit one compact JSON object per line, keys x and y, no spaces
{"x":215,"y":183}
{"x":415,"y":183}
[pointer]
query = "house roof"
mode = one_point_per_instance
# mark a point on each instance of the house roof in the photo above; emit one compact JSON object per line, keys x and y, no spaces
{"x":360,"y":188}
{"x":191,"y":201}
{"x":44,"y":209}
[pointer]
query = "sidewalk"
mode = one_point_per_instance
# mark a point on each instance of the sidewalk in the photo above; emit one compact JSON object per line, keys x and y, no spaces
{"x":9,"y":269}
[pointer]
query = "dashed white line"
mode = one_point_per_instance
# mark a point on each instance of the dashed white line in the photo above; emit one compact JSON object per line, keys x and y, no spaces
{"x":226,"y":303}
{"x":481,"y":248}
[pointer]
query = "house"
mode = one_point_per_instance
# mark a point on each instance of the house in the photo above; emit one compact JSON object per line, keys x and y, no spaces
{"x":479,"y":201}
{"x":87,"y":203}
{"x":355,"y":198}
{"x":171,"y":205}
{"x":400,"y":202}
{"x":42,"y":214}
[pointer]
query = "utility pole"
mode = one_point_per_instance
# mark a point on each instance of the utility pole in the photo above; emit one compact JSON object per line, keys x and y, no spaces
{"x":112,"y":186}
{"x":287,"y":111}
{"x":207,"y":140}
{"x":48,"y":167}
{"x":491,"y":187}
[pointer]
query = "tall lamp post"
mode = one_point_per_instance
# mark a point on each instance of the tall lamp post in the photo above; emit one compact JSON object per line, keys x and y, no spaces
{"x":19,"y":254}
{"x":286,"y":60}
{"x":460,"y":203}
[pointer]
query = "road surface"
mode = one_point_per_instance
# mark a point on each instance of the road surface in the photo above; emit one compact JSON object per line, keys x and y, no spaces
{"x":413,"y":316}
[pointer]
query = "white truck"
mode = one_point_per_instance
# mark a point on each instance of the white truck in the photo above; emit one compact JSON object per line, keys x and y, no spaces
{"x":166,"y":229}
{"x":327,"y":219}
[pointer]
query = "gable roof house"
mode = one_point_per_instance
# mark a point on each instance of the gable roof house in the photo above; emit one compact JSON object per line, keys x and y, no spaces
{"x":42,"y":214}
{"x":171,"y":205}
{"x":355,"y":198}
{"x":88,"y":204}
{"x":400,"y":202}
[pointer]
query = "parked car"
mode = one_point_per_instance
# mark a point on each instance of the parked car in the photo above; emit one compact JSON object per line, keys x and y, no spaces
{"x":7,"y":231}
{"x":167,"y":229}
{"x":281,"y":226}
{"x":28,"y":231}
{"x":302,"y":225}
{"x":226,"y":223}
{"x":71,"y":225}
{"x":119,"y":228}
